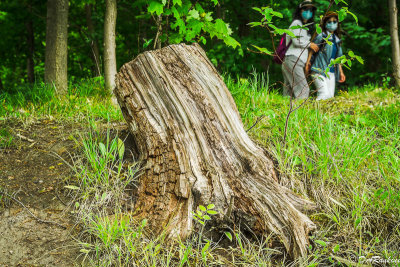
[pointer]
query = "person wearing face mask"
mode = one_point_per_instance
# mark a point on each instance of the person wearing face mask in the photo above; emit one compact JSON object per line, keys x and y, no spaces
{"x":295,"y":82}
{"x":325,"y":84}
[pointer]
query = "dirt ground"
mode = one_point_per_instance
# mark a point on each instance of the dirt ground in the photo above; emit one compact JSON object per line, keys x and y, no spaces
{"x":33,"y":174}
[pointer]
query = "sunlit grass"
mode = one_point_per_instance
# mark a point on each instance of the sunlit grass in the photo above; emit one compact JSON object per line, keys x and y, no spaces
{"x":86,"y":99}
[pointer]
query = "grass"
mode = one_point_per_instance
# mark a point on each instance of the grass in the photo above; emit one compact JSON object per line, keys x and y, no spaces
{"x":344,"y":154}
{"x":85,"y":99}
{"x":6,"y":138}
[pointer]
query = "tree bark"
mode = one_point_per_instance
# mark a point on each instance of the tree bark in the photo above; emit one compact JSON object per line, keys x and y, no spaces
{"x":30,"y":40}
{"x":56,"y":45}
{"x":195,"y":150}
{"x":110,"y":62}
{"x":394,"y":33}
{"x":94,"y":45}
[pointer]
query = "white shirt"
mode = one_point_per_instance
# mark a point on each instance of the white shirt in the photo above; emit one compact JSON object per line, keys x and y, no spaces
{"x":300,"y":44}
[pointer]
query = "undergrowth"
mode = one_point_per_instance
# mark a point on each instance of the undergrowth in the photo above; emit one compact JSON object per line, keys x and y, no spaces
{"x":343,"y":154}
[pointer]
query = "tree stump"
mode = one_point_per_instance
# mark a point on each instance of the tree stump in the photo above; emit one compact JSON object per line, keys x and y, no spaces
{"x":195,"y":151}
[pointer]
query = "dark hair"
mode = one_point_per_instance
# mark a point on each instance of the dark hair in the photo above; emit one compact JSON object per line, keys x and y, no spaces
{"x":325,"y":19}
{"x":297,"y":16}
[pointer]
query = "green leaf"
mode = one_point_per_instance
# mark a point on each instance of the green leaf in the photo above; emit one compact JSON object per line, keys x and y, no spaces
{"x":342,"y":14}
{"x":230,"y":41}
{"x":177,"y":2}
{"x":121,"y":149}
{"x":336,"y":248}
{"x":215,"y":2}
{"x":206,"y":217}
{"x":3,"y":15}
{"x":193,"y":14}
{"x":318,"y":29}
{"x":358,"y":221}
{"x":156,"y":7}
{"x":202,"y":208}
{"x":221,"y":26}
{"x":175,"y":12}
{"x":103,"y":149}
{"x":212,"y":212}
{"x":147,"y":43}
{"x":277,"y":14}
{"x":351,"y":54}
{"x":229,"y":235}
{"x":360,"y":59}
{"x":289,"y":32}
{"x":210,"y":206}
{"x":208,"y":17}
{"x":320,"y":242}
{"x":263,"y":50}
{"x":206,"y":246}
{"x":72,"y":187}
{"x":255,"y":24}
{"x":354,"y":16}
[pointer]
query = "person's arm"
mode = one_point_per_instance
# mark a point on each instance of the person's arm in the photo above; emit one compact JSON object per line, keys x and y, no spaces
{"x":308,"y":63}
{"x":342,"y":77}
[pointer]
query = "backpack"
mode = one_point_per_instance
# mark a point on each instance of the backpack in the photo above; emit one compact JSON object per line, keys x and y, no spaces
{"x":281,"y":50}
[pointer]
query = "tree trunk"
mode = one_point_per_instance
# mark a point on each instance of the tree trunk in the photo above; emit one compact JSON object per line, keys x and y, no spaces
{"x":195,"y":150}
{"x":30,"y":40}
{"x":56,"y":45}
{"x":394,"y":33}
{"x":110,"y":62}
{"x":94,"y":45}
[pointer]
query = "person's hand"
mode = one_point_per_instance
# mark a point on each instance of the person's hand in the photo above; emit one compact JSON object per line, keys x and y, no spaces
{"x":342,"y":77}
{"x":314,"y":47}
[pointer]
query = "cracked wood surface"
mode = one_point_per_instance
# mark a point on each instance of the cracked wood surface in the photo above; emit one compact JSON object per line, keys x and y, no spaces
{"x":195,"y":150}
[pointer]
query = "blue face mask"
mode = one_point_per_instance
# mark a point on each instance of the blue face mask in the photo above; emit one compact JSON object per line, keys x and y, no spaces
{"x":331,"y":26}
{"x":307,"y":14}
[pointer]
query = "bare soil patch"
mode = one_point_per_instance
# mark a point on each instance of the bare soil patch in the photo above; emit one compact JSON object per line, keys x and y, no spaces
{"x":32,"y":173}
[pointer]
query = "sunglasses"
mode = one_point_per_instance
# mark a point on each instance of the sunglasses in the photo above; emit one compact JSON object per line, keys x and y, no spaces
{"x":307,"y":8}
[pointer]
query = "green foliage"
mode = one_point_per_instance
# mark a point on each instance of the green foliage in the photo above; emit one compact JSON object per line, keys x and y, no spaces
{"x":202,"y":213}
{"x":220,"y":27}
{"x":190,"y":22}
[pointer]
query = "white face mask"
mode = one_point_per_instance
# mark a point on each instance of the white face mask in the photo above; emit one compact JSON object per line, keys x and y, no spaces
{"x":332,"y":26}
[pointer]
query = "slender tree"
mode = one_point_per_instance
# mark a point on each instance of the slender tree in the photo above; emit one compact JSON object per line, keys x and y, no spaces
{"x":31,"y":48}
{"x":94,"y":45}
{"x":56,"y":45}
{"x":110,"y":62}
{"x":394,"y":33}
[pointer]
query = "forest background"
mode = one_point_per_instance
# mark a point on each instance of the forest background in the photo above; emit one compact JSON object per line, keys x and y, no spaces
{"x":23,"y":28}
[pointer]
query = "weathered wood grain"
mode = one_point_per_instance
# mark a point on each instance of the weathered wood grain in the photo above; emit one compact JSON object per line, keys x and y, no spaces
{"x":195,"y":150}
